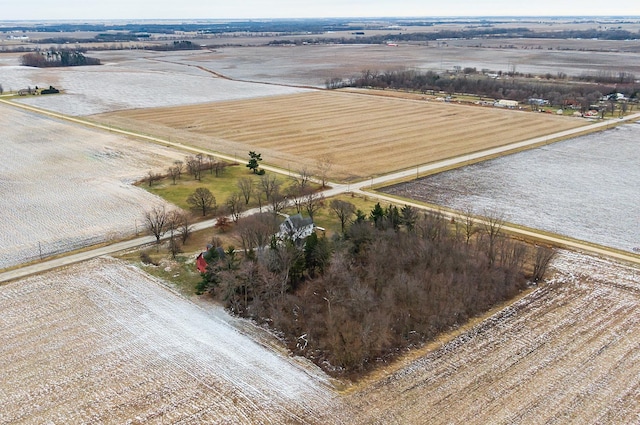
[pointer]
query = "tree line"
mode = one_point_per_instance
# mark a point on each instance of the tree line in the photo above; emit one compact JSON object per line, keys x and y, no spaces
{"x":469,"y":33}
{"x":558,"y":90}
{"x":392,"y":279}
{"x":57,"y":58}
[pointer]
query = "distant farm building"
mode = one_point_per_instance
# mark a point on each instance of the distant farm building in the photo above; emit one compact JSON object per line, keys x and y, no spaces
{"x":505,"y":103}
{"x":537,"y":101}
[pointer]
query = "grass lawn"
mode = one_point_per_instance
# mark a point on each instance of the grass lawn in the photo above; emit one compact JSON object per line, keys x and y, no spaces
{"x":222,"y":187}
{"x":327,"y":219}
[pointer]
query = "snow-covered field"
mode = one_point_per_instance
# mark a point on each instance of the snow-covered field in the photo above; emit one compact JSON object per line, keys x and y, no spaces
{"x":127,"y":82}
{"x":102,"y":342}
{"x":586,"y":188}
{"x":64,"y":186}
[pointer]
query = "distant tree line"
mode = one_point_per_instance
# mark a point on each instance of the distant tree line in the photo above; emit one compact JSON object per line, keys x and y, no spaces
{"x":59,"y":58}
{"x":474,"y":33}
{"x":176,"y":45}
{"x":272,"y":26}
{"x":556,"y":89}
{"x":119,"y":36}
{"x":412,"y":36}
{"x":393,"y":279}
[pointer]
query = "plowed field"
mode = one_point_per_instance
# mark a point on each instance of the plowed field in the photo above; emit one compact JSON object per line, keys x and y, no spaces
{"x":367,"y":135}
{"x":566,"y":353}
{"x":64,"y":186}
{"x":102,"y":342}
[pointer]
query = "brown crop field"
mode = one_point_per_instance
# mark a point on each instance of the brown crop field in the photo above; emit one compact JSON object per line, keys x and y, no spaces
{"x":367,"y":135}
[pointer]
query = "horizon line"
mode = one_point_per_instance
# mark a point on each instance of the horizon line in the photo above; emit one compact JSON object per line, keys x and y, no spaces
{"x":435,"y":17}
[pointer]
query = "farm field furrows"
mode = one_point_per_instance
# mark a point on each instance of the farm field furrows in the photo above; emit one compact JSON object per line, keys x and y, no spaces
{"x":102,"y":342}
{"x":585,"y":188}
{"x":127,"y":82}
{"x":565,"y":353}
{"x":64,"y":186}
{"x":315,"y":64}
{"x":367,"y":135}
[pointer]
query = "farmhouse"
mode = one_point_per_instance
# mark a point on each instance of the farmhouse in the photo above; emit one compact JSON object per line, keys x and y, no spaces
{"x":296,"y":228}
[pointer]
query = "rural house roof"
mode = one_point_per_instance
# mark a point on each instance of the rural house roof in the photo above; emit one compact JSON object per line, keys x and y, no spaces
{"x":296,"y":227}
{"x":298,"y":222}
{"x":202,"y":260}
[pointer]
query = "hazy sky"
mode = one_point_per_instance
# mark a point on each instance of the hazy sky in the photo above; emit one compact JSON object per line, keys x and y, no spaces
{"x":223,"y":9}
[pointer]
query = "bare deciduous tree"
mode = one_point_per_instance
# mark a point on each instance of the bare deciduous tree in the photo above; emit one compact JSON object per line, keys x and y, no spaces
{"x":245,"y":184}
{"x":323,"y":167}
{"x":468,"y":224}
{"x":296,"y":194}
{"x":194,"y":165}
{"x":269,"y":183}
{"x":544,"y":255}
{"x":202,"y":199}
{"x":258,"y":195}
{"x":179,"y":166}
{"x":343,"y":210}
{"x":219,"y":167}
{"x":174,"y":218}
{"x":301,"y":181}
{"x":155,"y":222}
{"x":235,"y":206}
{"x":255,"y":231}
{"x":174,"y":173}
{"x":492,"y":226}
{"x":185,"y":228}
{"x":312,"y":201}
{"x":211,"y":163}
{"x":153,"y":177}
{"x":278,"y":201}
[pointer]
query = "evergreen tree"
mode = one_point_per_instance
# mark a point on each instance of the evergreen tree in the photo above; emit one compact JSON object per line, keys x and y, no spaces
{"x":254,"y":161}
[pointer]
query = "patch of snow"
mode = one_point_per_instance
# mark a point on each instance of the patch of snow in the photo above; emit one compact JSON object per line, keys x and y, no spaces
{"x":103,"y":342}
{"x":585,"y":188}
{"x":64,"y":186}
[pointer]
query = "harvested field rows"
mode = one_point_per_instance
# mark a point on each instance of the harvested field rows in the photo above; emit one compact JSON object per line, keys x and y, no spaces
{"x":585,"y":188}
{"x":122,"y":85}
{"x":566,"y":353}
{"x":368,"y":135}
{"x":102,"y":342}
{"x":105,"y":343}
{"x":64,"y":187}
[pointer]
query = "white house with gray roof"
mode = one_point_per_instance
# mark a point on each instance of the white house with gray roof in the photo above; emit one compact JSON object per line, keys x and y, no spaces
{"x":296,"y":228}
